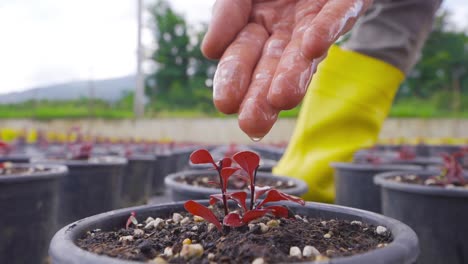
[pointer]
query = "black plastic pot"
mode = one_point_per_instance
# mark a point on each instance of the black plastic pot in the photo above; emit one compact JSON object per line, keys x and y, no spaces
{"x":439,"y":216}
{"x":354,"y":185}
{"x":181,"y":157}
{"x":162,"y":166}
{"x":403,"y":249}
{"x":136,"y":183}
{"x":91,"y":187}
{"x":268,"y":152}
{"x":28,"y":214}
{"x":181,"y":191}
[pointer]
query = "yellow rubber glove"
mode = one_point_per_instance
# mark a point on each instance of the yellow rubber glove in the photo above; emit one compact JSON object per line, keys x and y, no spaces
{"x":348,"y":99}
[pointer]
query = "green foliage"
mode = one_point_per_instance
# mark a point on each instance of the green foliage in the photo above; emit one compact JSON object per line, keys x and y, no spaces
{"x":182,"y":73}
{"x":442,"y":72}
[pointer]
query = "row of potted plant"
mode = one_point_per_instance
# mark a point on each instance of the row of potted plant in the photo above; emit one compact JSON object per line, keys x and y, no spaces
{"x":430,"y":194}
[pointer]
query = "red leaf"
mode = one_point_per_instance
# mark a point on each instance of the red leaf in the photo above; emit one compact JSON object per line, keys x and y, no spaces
{"x":279,"y":211}
{"x":233,"y":219}
{"x":276,"y":196}
{"x":202,"y":211}
{"x":226,"y":162}
{"x":254,"y":214}
{"x":216,"y":198}
{"x":240,"y":198}
{"x":131,"y":219}
{"x":259,"y":191}
{"x":248,"y":161}
{"x":202,"y":156}
{"x":225,"y":174}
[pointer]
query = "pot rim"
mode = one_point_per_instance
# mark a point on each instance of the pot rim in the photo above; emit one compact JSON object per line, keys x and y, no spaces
{"x":113,"y":161}
{"x":55,"y":171}
{"x":382,"y":180}
{"x":375,"y":167}
{"x":404,"y":246}
{"x":301,"y":187}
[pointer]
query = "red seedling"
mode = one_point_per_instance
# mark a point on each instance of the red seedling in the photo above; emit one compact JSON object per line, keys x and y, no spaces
{"x":406,"y":153}
{"x":131,"y":220}
{"x":452,"y":170}
{"x":249,"y":163}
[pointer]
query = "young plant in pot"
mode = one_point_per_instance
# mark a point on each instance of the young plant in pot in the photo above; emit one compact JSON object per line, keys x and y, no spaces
{"x":354,"y":185}
{"x":29,"y":196}
{"x":92,"y":185}
{"x":8,"y":153}
{"x":197,"y":184}
{"x":230,"y":228}
{"x":405,"y":155}
{"x":435,"y":205}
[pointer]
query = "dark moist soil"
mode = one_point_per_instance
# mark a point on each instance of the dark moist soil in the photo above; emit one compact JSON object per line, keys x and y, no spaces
{"x":332,"y":238}
{"x":10,"y":169}
{"x":234,"y":182}
{"x":431,"y":181}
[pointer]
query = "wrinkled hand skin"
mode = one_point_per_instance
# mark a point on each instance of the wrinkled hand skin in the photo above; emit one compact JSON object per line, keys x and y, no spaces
{"x":269,"y":50}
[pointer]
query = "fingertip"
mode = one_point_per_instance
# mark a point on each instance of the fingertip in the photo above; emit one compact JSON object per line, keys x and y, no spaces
{"x":256,"y":118}
{"x":315,"y":43}
{"x":210,"y":49}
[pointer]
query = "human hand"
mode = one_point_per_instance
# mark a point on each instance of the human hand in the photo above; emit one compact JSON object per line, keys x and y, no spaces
{"x":269,"y":50}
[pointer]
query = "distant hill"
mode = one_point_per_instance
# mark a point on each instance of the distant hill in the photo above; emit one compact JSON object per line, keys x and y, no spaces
{"x":108,"y":90}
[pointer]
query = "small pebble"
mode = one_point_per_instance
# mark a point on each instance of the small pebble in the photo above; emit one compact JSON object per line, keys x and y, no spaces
{"x":184,"y":221}
{"x":251,"y":227}
{"x":176,"y":217}
{"x":258,"y":261}
{"x":191,"y":251}
{"x":211,"y":256}
{"x":149,"y":219}
{"x":187,"y":241}
{"x":381,"y":245}
{"x":327,"y":235}
{"x":168,"y":252}
{"x":380,"y":230}
{"x":310,"y":251}
{"x":126,"y":238}
{"x":273,"y":223}
{"x":194,"y":228}
{"x":449,"y":186}
{"x":429,"y":182}
{"x":138,"y":232}
{"x":412,"y":177}
{"x":398,"y":178}
{"x":198,"y":219}
{"x":324,"y":223}
{"x":359,"y":223}
{"x":158,"y":260}
{"x":295,"y":252}
{"x":330,"y":252}
{"x":290,"y":183}
{"x":205,"y":179}
{"x":264,"y":228}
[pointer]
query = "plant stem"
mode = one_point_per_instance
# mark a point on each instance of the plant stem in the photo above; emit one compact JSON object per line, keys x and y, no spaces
{"x":223,"y":191}
{"x":252,"y":189}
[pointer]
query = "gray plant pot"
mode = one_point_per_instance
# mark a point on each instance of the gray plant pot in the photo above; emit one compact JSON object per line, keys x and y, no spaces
{"x":181,"y":191}
{"x":403,"y":249}
{"x":28,"y":206}
{"x":439,"y":216}
{"x":354,"y":184}
{"x":91,"y":187}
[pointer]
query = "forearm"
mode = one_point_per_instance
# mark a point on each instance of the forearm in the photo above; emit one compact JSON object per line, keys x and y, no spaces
{"x":394,"y":31}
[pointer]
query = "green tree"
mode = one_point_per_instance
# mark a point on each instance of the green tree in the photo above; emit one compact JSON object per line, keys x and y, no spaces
{"x":182,"y":75}
{"x":442,"y":71}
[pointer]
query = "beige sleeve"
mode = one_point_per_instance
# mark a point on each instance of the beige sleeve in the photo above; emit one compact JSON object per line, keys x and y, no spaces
{"x":394,"y":31}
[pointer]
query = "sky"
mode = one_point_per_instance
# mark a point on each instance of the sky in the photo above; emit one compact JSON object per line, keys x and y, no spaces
{"x":52,"y":41}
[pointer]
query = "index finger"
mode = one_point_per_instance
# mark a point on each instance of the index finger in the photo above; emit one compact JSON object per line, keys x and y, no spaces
{"x":229,"y":18}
